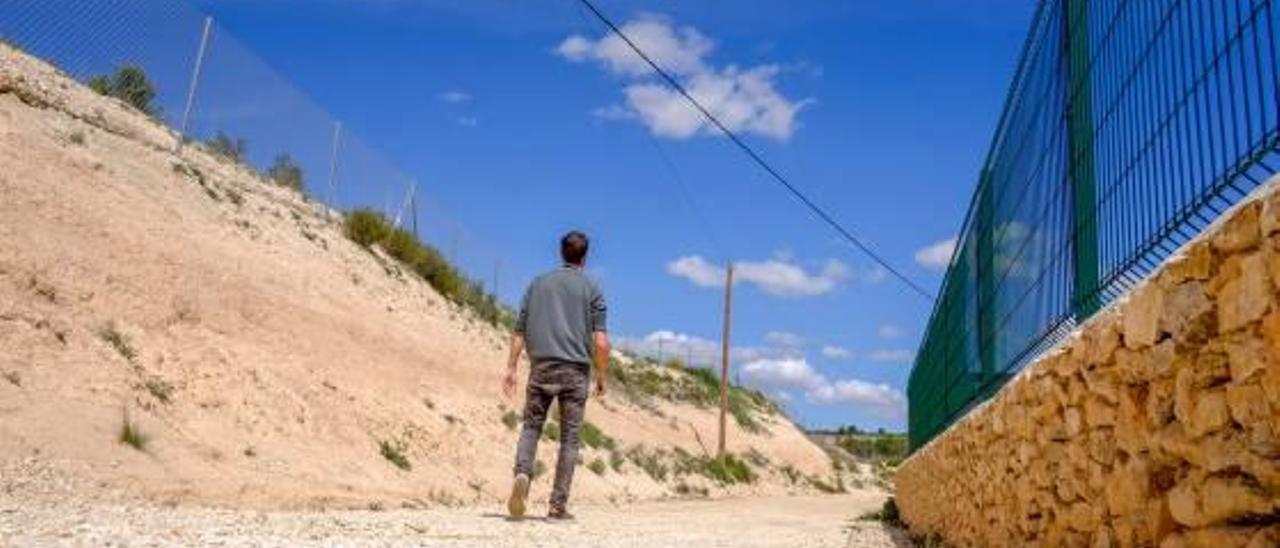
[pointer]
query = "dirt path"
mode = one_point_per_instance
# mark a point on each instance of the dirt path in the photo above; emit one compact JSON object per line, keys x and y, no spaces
{"x":772,"y":521}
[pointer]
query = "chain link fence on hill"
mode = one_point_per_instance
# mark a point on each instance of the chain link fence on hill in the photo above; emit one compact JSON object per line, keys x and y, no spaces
{"x":1128,"y":128}
{"x":173,"y":61}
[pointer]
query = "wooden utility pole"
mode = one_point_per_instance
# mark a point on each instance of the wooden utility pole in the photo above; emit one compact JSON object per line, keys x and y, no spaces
{"x":724,"y":353}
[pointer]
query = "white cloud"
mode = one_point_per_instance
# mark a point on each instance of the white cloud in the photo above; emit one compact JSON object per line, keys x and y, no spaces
{"x":678,"y":50}
{"x":670,"y":344}
{"x":783,"y":338}
{"x":778,"y":277}
{"x":889,"y":331}
{"x":793,"y":372}
{"x":936,"y":256}
{"x":798,"y":374}
{"x":892,"y":356}
{"x":454,"y":96}
{"x":833,"y":352}
{"x":697,"y":270}
{"x":879,"y":397}
{"x":785,"y":279}
{"x":745,"y":100}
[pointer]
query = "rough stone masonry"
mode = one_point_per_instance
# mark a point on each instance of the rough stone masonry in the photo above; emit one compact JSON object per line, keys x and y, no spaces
{"x":1157,"y":423}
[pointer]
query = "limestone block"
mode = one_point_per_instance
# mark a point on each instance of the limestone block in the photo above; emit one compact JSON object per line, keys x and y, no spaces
{"x":1247,"y":356}
{"x":1245,"y":298}
{"x":1159,"y":521}
{"x":1188,"y":313}
{"x":1267,"y":537}
{"x":1216,"y":500}
{"x":1101,"y":338}
{"x":1160,"y":403}
{"x":1270,"y":383}
{"x":1102,"y":445}
{"x":1074,"y":421}
{"x":1213,"y":537}
{"x":1083,"y":517}
{"x":1127,"y":488}
{"x":1248,"y":406}
{"x":1210,"y":413}
{"x":1195,"y":262}
{"x":1142,"y":317}
{"x":1103,"y":382}
{"x":1131,"y":423}
{"x":1099,"y":413}
{"x":1242,"y":231}
{"x":1270,"y":217}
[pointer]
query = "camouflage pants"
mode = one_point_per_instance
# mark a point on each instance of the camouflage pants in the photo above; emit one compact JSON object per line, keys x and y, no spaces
{"x":569,"y":384}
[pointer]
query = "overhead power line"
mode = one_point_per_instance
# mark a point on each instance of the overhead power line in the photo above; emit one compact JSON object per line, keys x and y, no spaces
{"x":755,"y":157}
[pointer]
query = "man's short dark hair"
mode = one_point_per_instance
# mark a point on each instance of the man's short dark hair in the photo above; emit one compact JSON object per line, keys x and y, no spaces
{"x":573,"y":247}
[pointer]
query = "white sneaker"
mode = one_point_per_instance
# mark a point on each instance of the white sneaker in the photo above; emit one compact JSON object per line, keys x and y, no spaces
{"x":519,"y":492}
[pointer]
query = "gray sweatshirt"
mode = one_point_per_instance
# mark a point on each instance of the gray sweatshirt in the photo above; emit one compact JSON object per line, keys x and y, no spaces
{"x":561,"y":311}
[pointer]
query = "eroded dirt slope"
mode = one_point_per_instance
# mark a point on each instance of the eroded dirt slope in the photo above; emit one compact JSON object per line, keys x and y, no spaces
{"x":263,"y":355}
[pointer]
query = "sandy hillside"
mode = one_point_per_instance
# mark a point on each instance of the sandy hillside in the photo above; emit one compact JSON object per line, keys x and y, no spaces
{"x":262,"y":354}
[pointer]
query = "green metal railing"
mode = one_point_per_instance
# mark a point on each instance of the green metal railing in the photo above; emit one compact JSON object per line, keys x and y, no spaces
{"x":1130,"y":126}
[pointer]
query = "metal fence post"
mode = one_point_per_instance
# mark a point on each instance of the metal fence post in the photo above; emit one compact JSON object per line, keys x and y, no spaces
{"x":1085,"y":295}
{"x":333,"y":169}
{"x":195,"y":81}
{"x":986,"y":279}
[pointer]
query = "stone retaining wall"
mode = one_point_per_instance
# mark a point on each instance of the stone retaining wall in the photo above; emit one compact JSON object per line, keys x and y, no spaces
{"x":1157,"y":423}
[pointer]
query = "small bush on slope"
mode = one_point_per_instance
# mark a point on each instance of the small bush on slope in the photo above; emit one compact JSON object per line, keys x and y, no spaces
{"x":645,"y":379}
{"x":130,"y":435}
{"x":231,"y":148}
{"x":286,"y":173}
{"x":367,"y":228}
{"x":129,"y":84}
{"x":394,"y":453}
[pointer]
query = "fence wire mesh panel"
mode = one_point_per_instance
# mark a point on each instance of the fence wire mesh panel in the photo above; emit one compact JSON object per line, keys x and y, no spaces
{"x":226,"y":100}
{"x":1130,"y":125}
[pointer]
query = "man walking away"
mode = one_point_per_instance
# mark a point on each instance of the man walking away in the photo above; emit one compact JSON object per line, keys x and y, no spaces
{"x":562,"y":325}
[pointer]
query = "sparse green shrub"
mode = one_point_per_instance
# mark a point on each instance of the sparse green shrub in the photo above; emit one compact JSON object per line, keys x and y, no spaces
{"x":879,"y":447}
{"x":593,"y":437}
{"x":118,"y":341}
{"x":824,"y":487}
{"x":394,"y":453}
{"x":286,"y":173}
{"x":645,"y":380}
{"x":597,"y":466}
{"x":756,"y":458}
{"x":129,"y":84}
{"x":231,"y":148}
{"x":793,"y":476}
{"x":511,"y":419}
{"x":887,"y":514}
{"x":162,"y":390}
{"x":539,"y":468}
{"x":725,"y":470}
{"x":616,"y":460}
{"x":131,"y":435}
{"x":651,"y":462}
{"x":685,"y":489}
{"x":367,"y":227}
{"x":76,"y":138}
{"x":730,"y":469}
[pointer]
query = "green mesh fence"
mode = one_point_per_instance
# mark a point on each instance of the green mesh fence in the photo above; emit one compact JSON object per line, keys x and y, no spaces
{"x":1129,"y":126}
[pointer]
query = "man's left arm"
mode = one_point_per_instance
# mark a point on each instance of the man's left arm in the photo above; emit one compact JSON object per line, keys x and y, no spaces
{"x":600,"y":339}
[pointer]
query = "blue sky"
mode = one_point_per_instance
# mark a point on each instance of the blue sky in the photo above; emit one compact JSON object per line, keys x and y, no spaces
{"x":522,"y":123}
